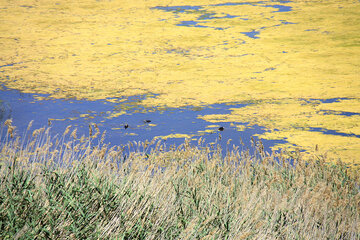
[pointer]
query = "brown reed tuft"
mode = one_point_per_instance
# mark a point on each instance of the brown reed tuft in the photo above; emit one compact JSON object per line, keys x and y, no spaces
{"x":10,"y":128}
{"x":73,"y":134}
{"x":90,"y":130}
{"x":97,"y":131}
{"x":80,"y":190}
{"x":67,"y":130}
{"x":30,"y":125}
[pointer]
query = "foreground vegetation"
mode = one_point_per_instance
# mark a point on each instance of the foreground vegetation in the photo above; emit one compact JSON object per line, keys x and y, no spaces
{"x":69,"y":188}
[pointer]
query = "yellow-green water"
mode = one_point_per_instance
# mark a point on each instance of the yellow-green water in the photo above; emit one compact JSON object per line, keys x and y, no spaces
{"x":111,"y":49}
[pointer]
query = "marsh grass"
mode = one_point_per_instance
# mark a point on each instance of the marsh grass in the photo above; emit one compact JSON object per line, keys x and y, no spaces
{"x":65,"y":187}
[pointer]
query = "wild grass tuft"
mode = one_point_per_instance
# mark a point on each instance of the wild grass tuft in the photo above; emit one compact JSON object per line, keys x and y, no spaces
{"x":69,"y":188}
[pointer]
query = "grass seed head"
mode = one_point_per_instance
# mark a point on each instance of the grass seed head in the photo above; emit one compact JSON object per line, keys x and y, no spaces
{"x":73,"y":134}
{"x":30,"y":125}
{"x":67,"y":130}
{"x":8,"y":122}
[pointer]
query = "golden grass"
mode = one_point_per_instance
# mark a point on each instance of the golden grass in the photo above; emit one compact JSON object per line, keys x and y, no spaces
{"x":64,"y":187}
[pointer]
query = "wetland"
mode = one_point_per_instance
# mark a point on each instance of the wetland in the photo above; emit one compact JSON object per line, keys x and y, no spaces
{"x":285,"y":72}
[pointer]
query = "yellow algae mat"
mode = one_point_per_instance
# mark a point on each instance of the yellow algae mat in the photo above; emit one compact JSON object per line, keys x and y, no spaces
{"x":295,"y":63}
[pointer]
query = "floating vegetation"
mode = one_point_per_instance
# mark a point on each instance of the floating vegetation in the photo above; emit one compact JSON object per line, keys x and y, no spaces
{"x":267,"y":53}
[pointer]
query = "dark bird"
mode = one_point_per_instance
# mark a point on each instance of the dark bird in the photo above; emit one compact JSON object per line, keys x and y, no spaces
{"x":221,"y":128}
{"x":147,"y":121}
{"x":126,"y":126}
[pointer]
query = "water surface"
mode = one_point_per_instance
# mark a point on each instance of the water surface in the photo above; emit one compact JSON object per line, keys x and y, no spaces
{"x":270,"y":68}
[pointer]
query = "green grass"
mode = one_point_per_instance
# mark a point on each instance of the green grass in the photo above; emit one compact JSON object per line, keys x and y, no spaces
{"x":185,"y":192}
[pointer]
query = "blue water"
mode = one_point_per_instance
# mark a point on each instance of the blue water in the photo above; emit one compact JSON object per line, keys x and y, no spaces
{"x":237,"y":4}
{"x":252,"y":34}
{"x":7,"y":65}
{"x":179,"y":9}
{"x":190,"y":24}
{"x":329,"y":100}
{"x":343,"y":113}
{"x":281,"y":8}
{"x":286,"y":22}
{"x":22,"y":108}
{"x":203,"y":14}
{"x":333,"y":132}
{"x":209,"y":16}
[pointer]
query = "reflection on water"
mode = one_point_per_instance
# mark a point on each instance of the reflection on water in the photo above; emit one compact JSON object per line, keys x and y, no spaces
{"x":136,"y":124}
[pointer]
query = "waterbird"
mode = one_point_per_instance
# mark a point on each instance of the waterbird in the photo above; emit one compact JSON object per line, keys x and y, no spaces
{"x":147,"y":121}
{"x":126,"y":126}
{"x":221,"y":128}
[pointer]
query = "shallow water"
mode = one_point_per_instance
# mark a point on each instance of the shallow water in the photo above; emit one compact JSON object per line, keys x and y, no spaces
{"x":286,"y":71}
{"x":171,"y":126}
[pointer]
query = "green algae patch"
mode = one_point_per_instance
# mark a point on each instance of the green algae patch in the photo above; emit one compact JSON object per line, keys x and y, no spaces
{"x":283,"y":58}
{"x":301,"y":123}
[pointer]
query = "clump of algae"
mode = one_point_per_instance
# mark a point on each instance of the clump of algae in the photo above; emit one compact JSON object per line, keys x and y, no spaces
{"x":101,"y":50}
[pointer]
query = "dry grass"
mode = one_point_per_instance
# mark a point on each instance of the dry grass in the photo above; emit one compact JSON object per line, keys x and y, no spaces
{"x":64,"y":187}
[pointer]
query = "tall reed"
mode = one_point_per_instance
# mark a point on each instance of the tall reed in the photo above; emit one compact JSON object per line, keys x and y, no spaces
{"x":65,"y":187}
